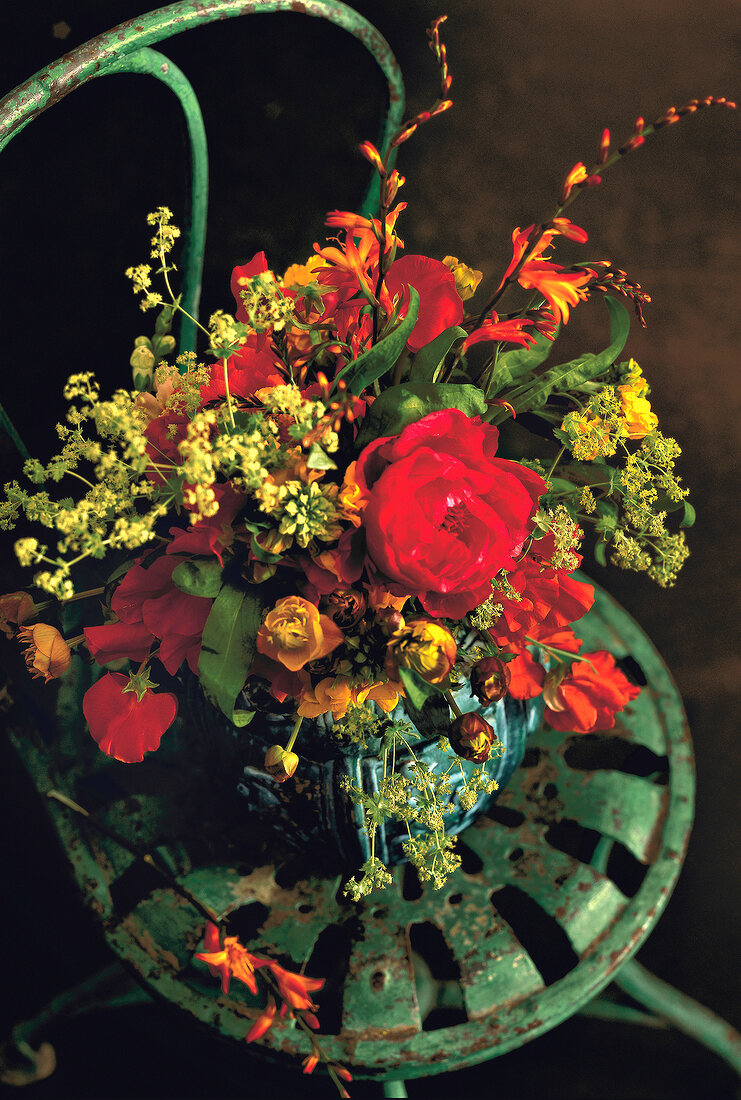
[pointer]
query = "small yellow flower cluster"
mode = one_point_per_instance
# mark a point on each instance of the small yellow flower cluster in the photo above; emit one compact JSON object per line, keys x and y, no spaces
{"x":567,"y":535}
{"x":198,"y":467}
{"x":266,"y":307}
{"x":226,"y":332}
{"x":308,"y":512}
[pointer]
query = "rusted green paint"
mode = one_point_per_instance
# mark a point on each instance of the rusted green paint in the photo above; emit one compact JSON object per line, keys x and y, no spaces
{"x":384,"y":990}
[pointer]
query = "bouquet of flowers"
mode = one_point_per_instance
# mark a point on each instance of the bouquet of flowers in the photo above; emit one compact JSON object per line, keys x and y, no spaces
{"x":328,"y":519}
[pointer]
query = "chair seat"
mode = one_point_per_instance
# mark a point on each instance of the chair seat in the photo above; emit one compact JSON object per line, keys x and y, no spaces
{"x":559,"y":885}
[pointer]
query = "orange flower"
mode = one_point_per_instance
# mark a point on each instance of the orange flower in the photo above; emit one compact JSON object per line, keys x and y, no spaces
{"x":639,"y":419}
{"x":47,"y":654}
{"x":380,"y":598}
{"x":351,"y":500}
{"x":511,"y":332}
{"x":560,"y":288}
{"x":295,"y":988}
{"x":231,"y":961}
{"x":263,"y":1022}
{"x":294,"y":633}
{"x":15,"y":607}
{"x":337,"y":694}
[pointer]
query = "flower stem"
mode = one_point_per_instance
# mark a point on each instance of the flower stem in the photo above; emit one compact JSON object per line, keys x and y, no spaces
{"x":294,"y":733}
{"x":135,"y":850}
{"x":448,"y":695}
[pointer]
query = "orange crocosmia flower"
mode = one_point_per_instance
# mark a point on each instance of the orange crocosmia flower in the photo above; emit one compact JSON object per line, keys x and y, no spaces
{"x":263,"y":1023}
{"x":47,"y":654}
{"x":511,"y":332}
{"x":294,"y":633}
{"x":561,"y":289}
{"x":295,"y":988}
{"x":15,"y":608}
{"x":231,"y":961}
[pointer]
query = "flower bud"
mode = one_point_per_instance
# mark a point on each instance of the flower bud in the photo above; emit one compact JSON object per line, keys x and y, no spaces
{"x":344,"y":606}
{"x":471,"y":737}
{"x":490,"y":680}
{"x":279,"y":763}
{"x":424,"y":646}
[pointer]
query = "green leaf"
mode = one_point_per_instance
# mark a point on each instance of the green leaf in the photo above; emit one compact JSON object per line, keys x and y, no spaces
{"x":198,"y":576}
{"x":319,"y":459}
{"x":429,"y":360}
{"x":531,"y":395}
{"x":417,"y":690}
{"x":402,"y":405}
{"x":690,"y":515}
{"x":600,"y":552}
{"x":265,"y":556}
{"x":372,"y":364}
{"x":520,"y":361}
{"x":228,"y":649}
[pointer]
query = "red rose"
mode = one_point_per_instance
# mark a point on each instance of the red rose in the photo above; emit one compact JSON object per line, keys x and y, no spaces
{"x":440,"y":304}
{"x":124,"y":725}
{"x":589,"y":696}
{"x":443,"y":514}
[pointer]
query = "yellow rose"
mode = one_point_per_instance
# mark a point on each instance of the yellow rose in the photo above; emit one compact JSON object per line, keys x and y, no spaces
{"x":424,"y":646}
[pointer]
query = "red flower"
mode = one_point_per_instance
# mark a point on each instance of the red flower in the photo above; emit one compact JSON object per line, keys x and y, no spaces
{"x":214,"y":533}
{"x":231,"y":961}
{"x":253,"y":367}
{"x":550,"y":599}
{"x":527,"y":676}
{"x":510,"y":332}
{"x":241,"y":276}
{"x":295,"y":988}
{"x":589,"y":696}
{"x":443,"y":514}
{"x":150,"y":606}
{"x":126,"y":720}
{"x":440,"y":304}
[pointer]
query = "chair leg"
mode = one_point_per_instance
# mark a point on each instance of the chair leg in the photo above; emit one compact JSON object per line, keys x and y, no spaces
{"x":681,"y":1012}
{"x":24,"y":1059}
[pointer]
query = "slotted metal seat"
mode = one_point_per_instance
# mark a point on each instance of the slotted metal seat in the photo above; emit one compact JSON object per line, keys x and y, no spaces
{"x":559,"y":885}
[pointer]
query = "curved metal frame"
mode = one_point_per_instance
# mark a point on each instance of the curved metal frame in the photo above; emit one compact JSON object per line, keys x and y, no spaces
{"x":126,"y":49}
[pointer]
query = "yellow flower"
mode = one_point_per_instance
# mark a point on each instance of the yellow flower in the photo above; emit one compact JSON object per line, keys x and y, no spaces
{"x":351,"y":501}
{"x":424,"y":646}
{"x":303,"y":274}
{"x":640,"y":421}
{"x":294,"y":633}
{"x":466,"y":278}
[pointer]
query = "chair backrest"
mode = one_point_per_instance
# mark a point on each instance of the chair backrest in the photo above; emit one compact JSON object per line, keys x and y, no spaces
{"x":127,"y":49}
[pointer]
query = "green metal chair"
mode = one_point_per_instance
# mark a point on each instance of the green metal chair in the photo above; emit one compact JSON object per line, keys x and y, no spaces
{"x":560,"y":884}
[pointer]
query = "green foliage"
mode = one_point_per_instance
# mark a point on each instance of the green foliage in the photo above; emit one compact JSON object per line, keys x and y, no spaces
{"x":228,"y":649}
{"x":198,"y":576}
{"x":519,"y":362}
{"x":374,"y":363}
{"x":429,"y":360}
{"x":405,"y":404}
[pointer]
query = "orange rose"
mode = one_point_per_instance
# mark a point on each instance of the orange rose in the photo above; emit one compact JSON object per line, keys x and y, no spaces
{"x":47,"y":654}
{"x":294,"y":633}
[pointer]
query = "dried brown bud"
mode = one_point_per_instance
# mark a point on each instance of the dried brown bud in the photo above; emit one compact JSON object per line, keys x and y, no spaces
{"x":490,"y":680}
{"x":344,"y":606}
{"x":471,"y":737}
{"x":279,"y":763}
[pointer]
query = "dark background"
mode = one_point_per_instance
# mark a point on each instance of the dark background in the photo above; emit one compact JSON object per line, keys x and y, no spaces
{"x":286,"y":99}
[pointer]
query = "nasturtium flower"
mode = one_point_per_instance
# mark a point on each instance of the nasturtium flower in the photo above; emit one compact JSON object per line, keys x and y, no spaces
{"x":295,"y":633}
{"x":126,"y":718}
{"x":46,"y":652}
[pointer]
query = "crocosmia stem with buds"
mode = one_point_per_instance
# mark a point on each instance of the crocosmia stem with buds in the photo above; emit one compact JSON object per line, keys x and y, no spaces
{"x":321,"y":517}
